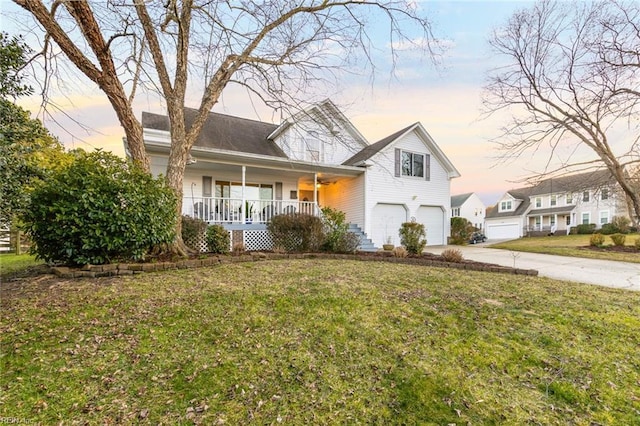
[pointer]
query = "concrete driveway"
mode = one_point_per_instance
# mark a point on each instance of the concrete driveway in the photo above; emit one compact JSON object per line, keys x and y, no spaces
{"x":590,"y":271}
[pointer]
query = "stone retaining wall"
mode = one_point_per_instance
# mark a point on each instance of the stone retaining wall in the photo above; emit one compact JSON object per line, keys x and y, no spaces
{"x":118,"y":269}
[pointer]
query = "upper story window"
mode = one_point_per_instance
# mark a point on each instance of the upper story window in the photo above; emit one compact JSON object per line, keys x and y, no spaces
{"x":585,"y":196}
{"x":554,"y":200}
{"x":506,"y":206}
{"x":413,"y":164}
{"x":568,"y":199}
{"x":604,"y":194}
{"x":538,"y":202}
{"x":312,"y":147}
{"x":455,"y":212}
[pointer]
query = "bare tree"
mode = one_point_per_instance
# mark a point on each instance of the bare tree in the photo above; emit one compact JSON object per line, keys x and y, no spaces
{"x":571,"y":80}
{"x":276,"y":49}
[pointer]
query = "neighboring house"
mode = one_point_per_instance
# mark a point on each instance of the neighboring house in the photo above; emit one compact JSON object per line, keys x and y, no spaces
{"x":470,"y":207}
{"x":556,"y":205}
{"x":243,"y":172}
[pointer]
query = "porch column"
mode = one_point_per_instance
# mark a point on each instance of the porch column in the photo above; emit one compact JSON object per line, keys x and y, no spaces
{"x":541,"y":223}
{"x":315,"y":188}
{"x":242,"y":203}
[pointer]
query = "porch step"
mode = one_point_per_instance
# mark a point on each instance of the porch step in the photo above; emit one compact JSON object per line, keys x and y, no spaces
{"x":365,"y":243}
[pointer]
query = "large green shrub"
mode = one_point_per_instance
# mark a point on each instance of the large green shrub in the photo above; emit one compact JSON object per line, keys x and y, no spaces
{"x":413,"y":237}
{"x":97,"y":209}
{"x":461,"y":230}
{"x":338,"y":239}
{"x":218,"y":239}
{"x":296,"y":232}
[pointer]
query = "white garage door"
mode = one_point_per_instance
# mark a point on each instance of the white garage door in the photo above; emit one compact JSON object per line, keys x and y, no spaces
{"x":500,"y":231}
{"x":432,"y":218}
{"x":387,"y":219}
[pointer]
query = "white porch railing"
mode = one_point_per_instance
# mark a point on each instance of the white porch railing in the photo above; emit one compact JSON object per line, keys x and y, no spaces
{"x":236,"y":210}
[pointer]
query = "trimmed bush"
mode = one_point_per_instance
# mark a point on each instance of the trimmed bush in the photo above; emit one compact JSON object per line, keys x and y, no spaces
{"x":413,"y":237}
{"x":97,"y":209}
{"x":596,"y":240}
{"x":218,"y":239}
{"x":338,"y":239}
{"x":618,"y":239}
{"x":297,"y":232}
{"x":608,"y":229}
{"x":461,"y":230}
{"x":584,"y":228}
{"x":636,"y":243}
{"x":452,"y":255}
{"x":193,"y":232}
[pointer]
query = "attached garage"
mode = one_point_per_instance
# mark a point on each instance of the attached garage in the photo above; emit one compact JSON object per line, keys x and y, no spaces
{"x":502,"y":231}
{"x":432,"y":217}
{"x":387,"y":219}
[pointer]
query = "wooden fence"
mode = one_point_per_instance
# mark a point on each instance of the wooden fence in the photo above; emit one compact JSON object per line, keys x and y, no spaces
{"x":9,"y":240}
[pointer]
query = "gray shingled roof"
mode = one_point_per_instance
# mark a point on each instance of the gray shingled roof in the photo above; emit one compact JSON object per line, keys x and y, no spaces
{"x":573,"y":183}
{"x":552,"y":210}
{"x":458,"y":200}
{"x":375,"y":148}
{"x":222,"y":131}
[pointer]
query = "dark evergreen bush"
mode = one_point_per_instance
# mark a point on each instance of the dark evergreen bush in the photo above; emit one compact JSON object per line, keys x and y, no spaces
{"x":97,"y":209}
{"x":193,"y":231}
{"x":584,"y":228}
{"x":296,"y":232}
{"x":413,"y":237}
{"x":218,"y":240}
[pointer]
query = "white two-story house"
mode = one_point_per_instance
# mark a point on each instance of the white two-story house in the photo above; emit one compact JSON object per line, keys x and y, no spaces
{"x":243,"y":172}
{"x":470,"y":207}
{"x":556,"y":205}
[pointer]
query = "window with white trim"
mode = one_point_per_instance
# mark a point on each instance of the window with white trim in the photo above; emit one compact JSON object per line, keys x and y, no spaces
{"x":455,"y":212}
{"x":604,"y":194}
{"x":506,"y":206}
{"x":604,"y":217}
{"x":554,"y":200}
{"x":568,"y":199}
{"x":312,"y":147}
{"x":538,"y":202}
{"x":552,"y":220}
{"x":585,"y":196}
{"x":412,"y":164}
{"x":586,"y":218}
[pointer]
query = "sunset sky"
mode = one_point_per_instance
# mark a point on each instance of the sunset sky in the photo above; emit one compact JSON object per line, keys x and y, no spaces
{"x":446,"y":100}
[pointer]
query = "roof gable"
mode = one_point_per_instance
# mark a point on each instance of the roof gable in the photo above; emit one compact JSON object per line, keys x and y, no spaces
{"x":459,"y":200}
{"x":372,"y":150}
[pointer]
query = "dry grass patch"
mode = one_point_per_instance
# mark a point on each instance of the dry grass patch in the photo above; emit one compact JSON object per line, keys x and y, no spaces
{"x":321,"y":342}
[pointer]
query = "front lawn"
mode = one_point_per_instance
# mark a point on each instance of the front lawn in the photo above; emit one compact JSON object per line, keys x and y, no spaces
{"x":571,"y":245}
{"x":12,"y":264}
{"x":320,"y":342}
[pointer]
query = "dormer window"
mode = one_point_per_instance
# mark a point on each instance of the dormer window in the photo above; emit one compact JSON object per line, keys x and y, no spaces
{"x":538,"y":202}
{"x":506,"y":206}
{"x":585,"y":196}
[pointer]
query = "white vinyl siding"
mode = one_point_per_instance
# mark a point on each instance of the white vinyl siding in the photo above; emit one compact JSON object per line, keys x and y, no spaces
{"x":383,"y":187}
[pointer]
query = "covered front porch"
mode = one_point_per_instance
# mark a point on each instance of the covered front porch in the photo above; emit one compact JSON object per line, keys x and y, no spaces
{"x":550,"y":220}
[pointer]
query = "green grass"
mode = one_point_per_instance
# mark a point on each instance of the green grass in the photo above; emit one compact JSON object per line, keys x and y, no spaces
{"x":570,"y":245}
{"x":12,"y":264}
{"x":320,"y":342}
